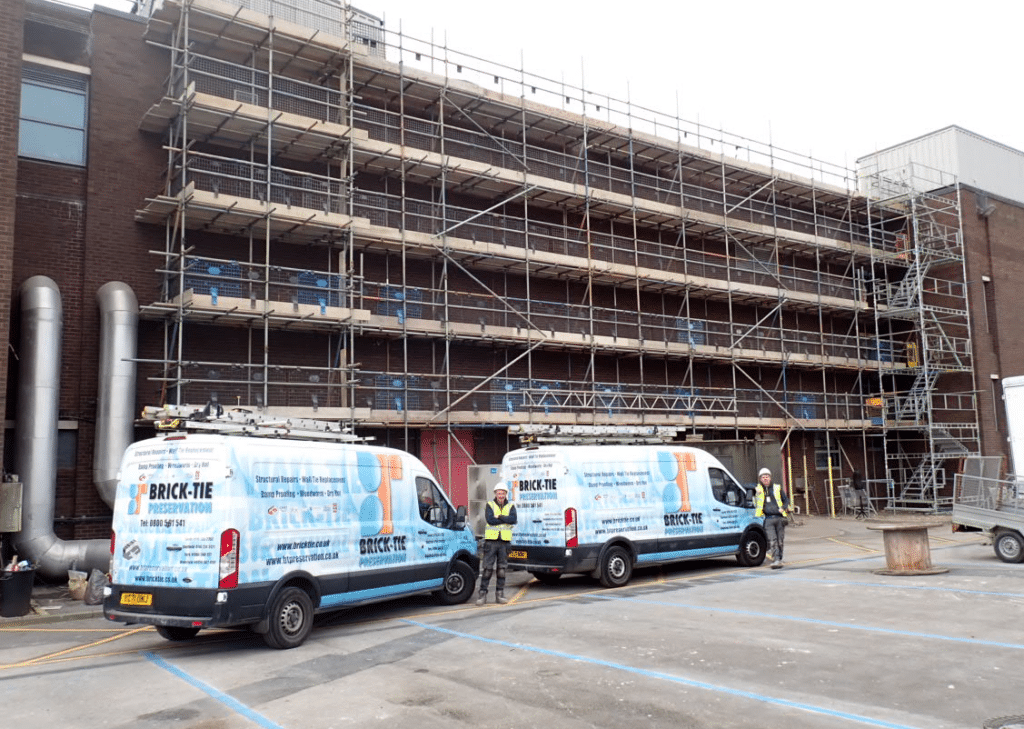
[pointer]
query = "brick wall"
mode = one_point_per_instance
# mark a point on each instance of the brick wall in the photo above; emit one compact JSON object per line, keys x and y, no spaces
{"x":10,"y":100}
{"x":77,"y":226}
{"x":993,"y":247}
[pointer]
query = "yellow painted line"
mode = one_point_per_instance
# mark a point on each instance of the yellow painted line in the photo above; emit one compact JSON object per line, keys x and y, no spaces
{"x":522,"y":591}
{"x":855,"y":546}
{"x":44,"y":661}
{"x":22,"y":629}
{"x":58,"y":654}
{"x":975,"y":540}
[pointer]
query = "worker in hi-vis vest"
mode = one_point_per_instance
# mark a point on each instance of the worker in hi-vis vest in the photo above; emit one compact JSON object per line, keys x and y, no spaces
{"x":773,"y":504}
{"x":501,"y":517}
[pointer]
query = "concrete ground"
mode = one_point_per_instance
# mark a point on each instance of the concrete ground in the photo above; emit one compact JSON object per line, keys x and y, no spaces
{"x":808,"y":537}
{"x":825,"y":642}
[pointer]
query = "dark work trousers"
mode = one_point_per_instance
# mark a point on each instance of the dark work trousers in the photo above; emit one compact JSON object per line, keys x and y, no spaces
{"x":775,"y":528}
{"x":495,"y":557}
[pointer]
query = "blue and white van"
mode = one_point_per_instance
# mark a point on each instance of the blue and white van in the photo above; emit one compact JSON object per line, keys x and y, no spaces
{"x":226,"y":530}
{"x":605,"y":509}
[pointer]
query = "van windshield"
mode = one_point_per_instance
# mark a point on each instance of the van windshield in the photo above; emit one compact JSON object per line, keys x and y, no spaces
{"x":433,"y":505}
{"x":725,"y":489}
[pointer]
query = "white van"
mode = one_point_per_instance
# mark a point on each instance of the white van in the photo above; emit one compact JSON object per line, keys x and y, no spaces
{"x":227,"y":530}
{"x":604,"y":509}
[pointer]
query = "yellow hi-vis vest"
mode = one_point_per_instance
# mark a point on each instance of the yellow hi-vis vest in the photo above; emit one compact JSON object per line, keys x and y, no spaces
{"x":759,"y":499}
{"x":499,"y":531}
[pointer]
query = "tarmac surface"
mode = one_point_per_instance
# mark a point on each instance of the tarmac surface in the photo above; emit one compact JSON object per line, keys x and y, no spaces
{"x":52,"y":602}
{"x":828,"y":641}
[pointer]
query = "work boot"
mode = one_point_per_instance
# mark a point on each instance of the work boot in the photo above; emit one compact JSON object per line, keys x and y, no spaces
{"x":481,"y":598}
{"x":501,"y":599}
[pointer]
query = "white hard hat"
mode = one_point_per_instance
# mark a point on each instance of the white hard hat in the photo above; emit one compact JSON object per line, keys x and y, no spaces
{"x":500,"y":486}
{"x":763,"y":472}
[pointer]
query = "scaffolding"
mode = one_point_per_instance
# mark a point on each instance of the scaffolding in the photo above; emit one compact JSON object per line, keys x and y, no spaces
{"x":500,"y":249}
{"x":922,"y":311}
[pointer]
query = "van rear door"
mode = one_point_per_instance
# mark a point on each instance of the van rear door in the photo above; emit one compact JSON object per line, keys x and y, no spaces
{"x":172,"y":521}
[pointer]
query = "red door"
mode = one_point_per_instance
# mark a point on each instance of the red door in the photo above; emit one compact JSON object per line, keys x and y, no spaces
{"x":448,"y":455}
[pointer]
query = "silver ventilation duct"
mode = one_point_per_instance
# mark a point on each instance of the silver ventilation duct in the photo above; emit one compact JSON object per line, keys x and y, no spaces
{"x":42,"y":324}
{"x":115,"y":406}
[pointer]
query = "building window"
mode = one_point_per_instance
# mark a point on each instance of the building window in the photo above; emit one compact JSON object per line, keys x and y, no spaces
{"x":824,"y":451}
{"x":53,"y":114}
{"x":67,"y":448}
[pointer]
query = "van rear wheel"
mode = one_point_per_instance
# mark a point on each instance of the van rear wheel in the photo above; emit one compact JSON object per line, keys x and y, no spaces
{"x":752,"y":549}
{"x":458,"y":584}
{"x":290,"y":619}
{"x":175,"y":633}
{"x":616,"y":567}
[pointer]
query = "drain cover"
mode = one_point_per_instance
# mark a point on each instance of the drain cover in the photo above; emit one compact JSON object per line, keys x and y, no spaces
{"x":1005,"y":722}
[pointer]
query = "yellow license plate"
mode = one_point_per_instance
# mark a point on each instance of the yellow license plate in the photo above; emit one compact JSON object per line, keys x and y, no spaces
{"x":518,"y":554}
{"x":136,"y":598}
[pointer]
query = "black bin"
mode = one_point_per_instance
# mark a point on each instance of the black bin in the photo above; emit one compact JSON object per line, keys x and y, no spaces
{"x":16,"y":593}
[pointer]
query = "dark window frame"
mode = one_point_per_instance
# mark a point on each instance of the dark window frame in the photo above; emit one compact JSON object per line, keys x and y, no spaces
{"x":36,"y":120}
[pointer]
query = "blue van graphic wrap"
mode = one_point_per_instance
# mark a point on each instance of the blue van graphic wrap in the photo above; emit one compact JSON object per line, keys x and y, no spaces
{"x":673,"y":502}
{"x":207,"y":526}
{"x":306,"y":507}
{"x":171,"y":489}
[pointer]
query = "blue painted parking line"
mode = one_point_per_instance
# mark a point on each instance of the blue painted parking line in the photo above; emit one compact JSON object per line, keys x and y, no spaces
{"x":889,"y":585}
{"x":232,"y":703}
{"x":815,"y":621}
{"x":660,"y":675}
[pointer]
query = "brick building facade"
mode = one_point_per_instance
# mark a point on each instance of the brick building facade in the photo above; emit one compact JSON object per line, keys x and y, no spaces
{"x":316,"y":229}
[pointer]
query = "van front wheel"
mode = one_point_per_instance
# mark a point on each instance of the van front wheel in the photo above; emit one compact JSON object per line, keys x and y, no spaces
{"x":752,"y":550}
{"x":616,"y":567}
{"x":290,"y":619}
{"x":458,"y":584}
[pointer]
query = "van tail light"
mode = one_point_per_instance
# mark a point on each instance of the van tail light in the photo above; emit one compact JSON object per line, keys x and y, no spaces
{"x":113,"y":541}
{"x":228,"y":558}
{"x":571,"y":534}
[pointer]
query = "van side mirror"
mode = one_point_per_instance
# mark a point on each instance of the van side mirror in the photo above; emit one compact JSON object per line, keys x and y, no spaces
{"x":460,"y":517}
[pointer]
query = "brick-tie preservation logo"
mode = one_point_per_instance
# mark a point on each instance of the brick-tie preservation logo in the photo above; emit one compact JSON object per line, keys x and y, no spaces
{"x":184,"y":497}
{"x":674,"y":467}
{"x":534,"y":484}
{"x":378,"y":544}
{"x":679,"y":516}
{"x":136,"y":493}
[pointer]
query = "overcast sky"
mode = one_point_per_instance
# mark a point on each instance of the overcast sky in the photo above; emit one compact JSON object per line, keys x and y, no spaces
{"x":832,"y":80}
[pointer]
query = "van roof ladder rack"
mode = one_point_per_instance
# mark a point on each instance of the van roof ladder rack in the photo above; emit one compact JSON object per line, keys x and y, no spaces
{"x":532,"y":434}
{"x":214,"y":418}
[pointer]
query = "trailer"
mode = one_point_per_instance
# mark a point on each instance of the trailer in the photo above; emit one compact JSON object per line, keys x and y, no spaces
{"x":994,"y":506}
{"x":982,"y":501}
